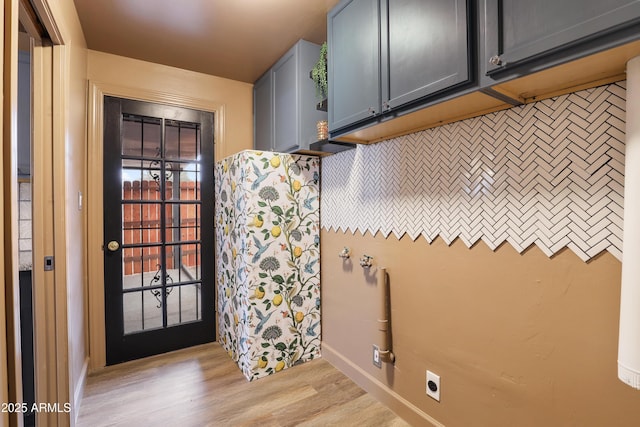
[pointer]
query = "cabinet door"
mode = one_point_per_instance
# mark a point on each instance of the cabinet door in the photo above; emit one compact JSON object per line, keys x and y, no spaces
{"x":353,"y":37}
{"x":517,"y":31}
{"x":307,"y":57}
{"x":426,"y":50}
{"x":285,"y":106}
{"x":263,"y":113}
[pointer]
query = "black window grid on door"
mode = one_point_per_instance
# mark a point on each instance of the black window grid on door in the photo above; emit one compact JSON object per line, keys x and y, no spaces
{"x":164,"y":164}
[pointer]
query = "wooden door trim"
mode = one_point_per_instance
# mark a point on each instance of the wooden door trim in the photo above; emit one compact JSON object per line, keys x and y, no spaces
{"x":12,"y":363}
{"x":50,"y":82}
{"x":61,"y":80}
{"x":44,"y":283}
{"x":5,"y":309}
{"x":95,"y":273}
{"x":48,"y":20}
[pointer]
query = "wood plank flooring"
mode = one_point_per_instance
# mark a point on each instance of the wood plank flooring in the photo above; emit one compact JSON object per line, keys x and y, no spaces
{"x":201,"y":386}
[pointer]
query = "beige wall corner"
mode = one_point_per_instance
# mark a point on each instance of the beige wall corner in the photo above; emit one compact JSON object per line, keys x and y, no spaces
{"x":75,"y":218}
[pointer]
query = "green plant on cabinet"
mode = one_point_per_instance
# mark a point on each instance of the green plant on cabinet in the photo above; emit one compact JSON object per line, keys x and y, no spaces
{"x":319,"y":74}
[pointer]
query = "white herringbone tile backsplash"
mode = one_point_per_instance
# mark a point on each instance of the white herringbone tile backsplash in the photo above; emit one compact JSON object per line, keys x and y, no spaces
{"x":549,"y":173}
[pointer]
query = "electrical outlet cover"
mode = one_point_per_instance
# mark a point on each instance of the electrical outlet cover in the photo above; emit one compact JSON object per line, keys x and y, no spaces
{"x":376,"y":357}
{"x":433,"y":386}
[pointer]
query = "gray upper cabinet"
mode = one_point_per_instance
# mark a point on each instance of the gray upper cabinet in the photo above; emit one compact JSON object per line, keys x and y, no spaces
{"x":286,"y":120}
{"x":285,"y":102}
{"x":263,"y":113}
{"x":426,"y":50}
{"x":526,"y":35}
{"x":353,"y":38}
{"x":386,"y":54}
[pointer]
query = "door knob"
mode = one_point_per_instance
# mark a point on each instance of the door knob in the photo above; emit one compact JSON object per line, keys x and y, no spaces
{"x":113,"y":246}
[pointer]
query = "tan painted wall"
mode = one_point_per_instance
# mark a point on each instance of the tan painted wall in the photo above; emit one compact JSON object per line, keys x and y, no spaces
{"x":76,"y":220}
{"x":518,"y":340}
{"x":72,"y":160}
{"x":236,"y":97}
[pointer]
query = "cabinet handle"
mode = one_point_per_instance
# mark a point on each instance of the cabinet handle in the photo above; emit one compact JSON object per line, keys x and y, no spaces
{"x":496,"y":60}
{"x":386,"y":106}
{"x":372,"y":111}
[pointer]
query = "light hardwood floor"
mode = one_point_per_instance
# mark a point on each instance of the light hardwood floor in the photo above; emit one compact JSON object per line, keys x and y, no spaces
{"x":201,"y":386}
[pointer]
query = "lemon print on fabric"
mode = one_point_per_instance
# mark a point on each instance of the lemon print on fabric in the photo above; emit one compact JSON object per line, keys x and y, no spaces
{"x":277,"y":300}
{"x":268,"y":271}
{"x":297,"y":251}
{"x":262,"y":362}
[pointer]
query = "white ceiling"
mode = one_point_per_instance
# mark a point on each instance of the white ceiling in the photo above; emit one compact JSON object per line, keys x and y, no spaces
{"x":235,"y":39}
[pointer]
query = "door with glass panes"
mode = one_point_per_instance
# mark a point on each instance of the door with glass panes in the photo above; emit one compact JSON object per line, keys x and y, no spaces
{"x":158,"y":228}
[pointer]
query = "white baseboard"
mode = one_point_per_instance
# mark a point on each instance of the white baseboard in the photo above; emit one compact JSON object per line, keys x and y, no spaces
{"x":401,"y":406}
